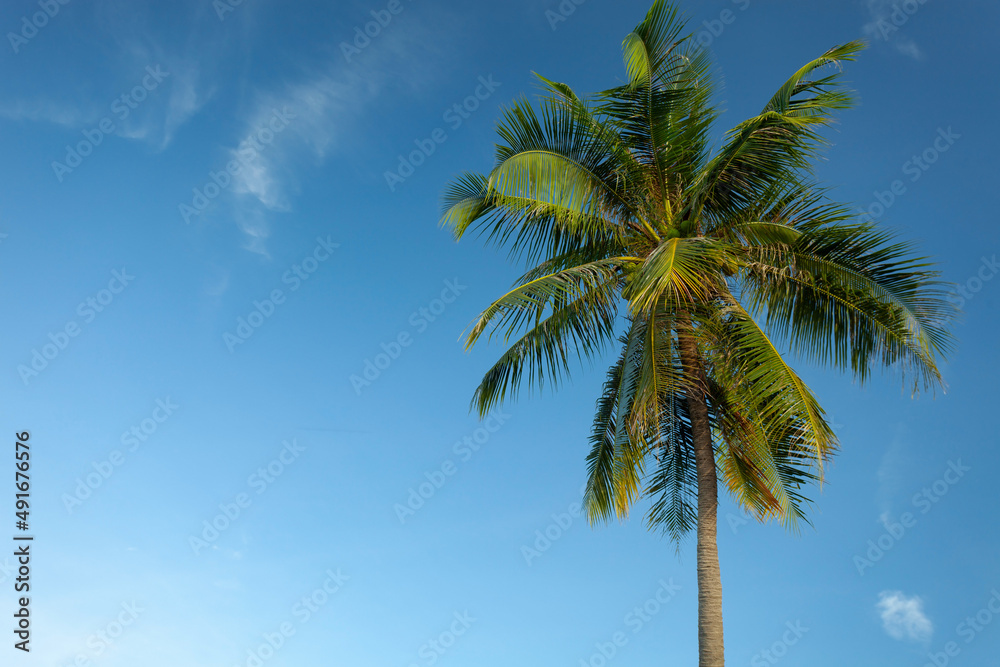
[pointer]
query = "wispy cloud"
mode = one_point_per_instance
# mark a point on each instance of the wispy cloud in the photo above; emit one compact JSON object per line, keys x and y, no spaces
{"x":184,"y":93}
{"x":252,"y":221}
{"x":903,"y":617}
{"x":217,"y":284}
{"x":321,"y":108}
{"x":142,"y":108}
{"x":908,"y":47}
{"x":154,"y":119}
{"x":47,"y":112}
{"x":886,"y":19}
{"x":326,"y":101}
{"x":187,"y":95}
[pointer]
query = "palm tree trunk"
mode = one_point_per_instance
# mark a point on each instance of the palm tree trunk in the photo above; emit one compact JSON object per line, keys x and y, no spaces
{"x":711,"y":652}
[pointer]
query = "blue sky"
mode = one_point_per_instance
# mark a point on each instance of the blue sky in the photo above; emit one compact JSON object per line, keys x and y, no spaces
{"x":189,"y":291}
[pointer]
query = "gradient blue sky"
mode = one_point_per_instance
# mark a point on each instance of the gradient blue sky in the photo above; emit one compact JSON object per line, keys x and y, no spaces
{"x":322,"y":176}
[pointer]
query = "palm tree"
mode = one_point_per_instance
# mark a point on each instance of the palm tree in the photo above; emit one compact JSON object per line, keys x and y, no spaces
{"x":718,"y":254}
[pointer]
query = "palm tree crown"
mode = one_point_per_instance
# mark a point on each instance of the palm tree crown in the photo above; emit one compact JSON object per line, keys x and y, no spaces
{"x":702,"y":262}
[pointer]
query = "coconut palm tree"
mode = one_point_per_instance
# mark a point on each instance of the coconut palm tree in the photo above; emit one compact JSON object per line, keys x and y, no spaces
{"x":706,"y":264}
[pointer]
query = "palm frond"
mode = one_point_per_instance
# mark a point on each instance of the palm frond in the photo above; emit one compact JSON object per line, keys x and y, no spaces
{"x":680,"y":270}
{"x":546,"y":351}
{"x":780,"y":144}
{"x":754,"y":373}
{"x":851,"y":296}
{"x":593,"y":281}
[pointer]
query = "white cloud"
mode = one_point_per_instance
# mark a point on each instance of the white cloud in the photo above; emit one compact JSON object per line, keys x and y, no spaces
{"x":256,"y":178}
{"x":181,"y":95}
{"x":140,"y":47}
{"x":187,"y":96}
{"x":318,"y":109}
{"x":325,"y":101}
{"x":887,"y":16}
{"x":155,"y":119}
{"x":903,"y":617}
{"x":253,"y":223}
{"x":908,"y":47}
